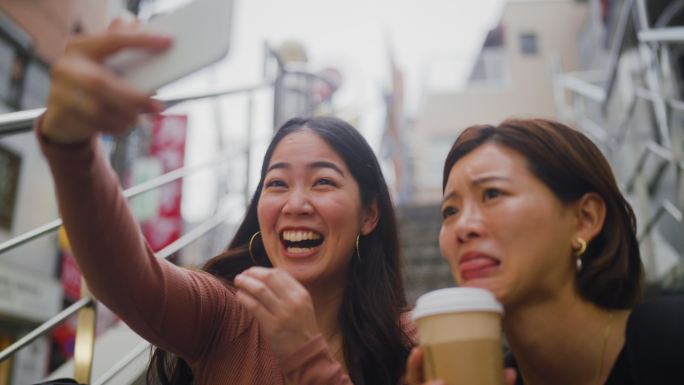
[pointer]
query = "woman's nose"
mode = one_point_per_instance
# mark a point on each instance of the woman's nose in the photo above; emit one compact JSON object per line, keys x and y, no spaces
{"x":469,"y":224}
{"x":297,"y":203}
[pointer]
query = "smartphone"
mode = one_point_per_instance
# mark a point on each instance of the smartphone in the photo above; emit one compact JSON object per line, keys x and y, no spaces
{"x":201,"y":30}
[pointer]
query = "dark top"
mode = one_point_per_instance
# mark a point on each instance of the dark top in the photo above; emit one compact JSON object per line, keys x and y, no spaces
{"x":654,"y":346}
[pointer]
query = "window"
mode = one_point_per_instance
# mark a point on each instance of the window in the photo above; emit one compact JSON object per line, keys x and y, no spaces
{"x":10,"y":163}
{"x":15,"y":46}
{"x":6,"y":65}
{"x":528,"y":43}
{"x":489,"y":68}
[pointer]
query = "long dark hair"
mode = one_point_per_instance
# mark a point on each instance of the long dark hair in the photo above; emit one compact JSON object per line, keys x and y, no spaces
{"x":571,"y":165}
{"x":374,"y":344}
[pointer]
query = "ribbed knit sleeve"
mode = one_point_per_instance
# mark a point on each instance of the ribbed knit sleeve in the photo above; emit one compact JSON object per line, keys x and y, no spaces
{"x":313,"y":364}
{"x":189,"y":313}
{"x":180,"y":310}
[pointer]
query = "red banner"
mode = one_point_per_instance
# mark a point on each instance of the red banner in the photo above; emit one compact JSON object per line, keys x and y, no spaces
{"x":167,"y":146}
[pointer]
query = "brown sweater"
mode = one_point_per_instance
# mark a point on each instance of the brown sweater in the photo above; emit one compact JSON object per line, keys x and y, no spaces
{"x":189,"y":313}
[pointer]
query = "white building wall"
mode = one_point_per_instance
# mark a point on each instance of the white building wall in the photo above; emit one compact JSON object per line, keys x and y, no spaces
{"x":526,"y":88}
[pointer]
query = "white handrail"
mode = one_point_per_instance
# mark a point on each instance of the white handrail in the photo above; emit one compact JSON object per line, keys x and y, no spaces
{"x":173,"y":247}
{"x":21,"y":121}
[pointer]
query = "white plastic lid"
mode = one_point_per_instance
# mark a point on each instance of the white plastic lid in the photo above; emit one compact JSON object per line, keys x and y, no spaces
{"x":456,"y":300}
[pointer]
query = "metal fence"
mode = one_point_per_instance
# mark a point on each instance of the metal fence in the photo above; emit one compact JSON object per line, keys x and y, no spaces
{"x":590,"y":100}
{"x":22,"y":121}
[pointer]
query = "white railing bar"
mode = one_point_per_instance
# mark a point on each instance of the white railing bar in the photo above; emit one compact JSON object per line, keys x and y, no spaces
{"x":622,"y":127}
{"x":123,"y":363}
{"x":304,"y":69}
{"x":128,"y":193}
{"x":659,"y":150}
{"x":624,"y":16}
{"x":44,"y":328}
{"x":641,"y":161}
{"x":19,"y":121}
{"x":30,"y":235}
{"x":665,"y":207}
{"x":194,"y":234}
{"x":650,"y":148}
{"x":643,"y":93}
{"x":169,"y":177}
{"x":662,"y":35}
{"x":171,"y":99}
{"x":583,"y":88}
{"x":22,"y":121}
{"x":676,"y":104}
{"x":673,"y":210}
{"x":171,"y":248}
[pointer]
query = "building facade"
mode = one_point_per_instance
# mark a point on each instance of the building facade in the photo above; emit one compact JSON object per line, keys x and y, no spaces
{"x":511,"y":76}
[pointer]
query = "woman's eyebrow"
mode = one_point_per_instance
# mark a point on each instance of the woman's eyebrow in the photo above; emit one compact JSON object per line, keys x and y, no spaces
{"x":313,"y":165}
{"x":480,"y":181}
{"x":278,"y":165}
{"x":325,"y":164}
{"x":475,"y":183}
{"x":449,"y":196}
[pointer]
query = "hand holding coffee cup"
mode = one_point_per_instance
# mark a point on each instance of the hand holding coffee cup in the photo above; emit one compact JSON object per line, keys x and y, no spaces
{"x":414,"y":371}
{"x":460,"y":336}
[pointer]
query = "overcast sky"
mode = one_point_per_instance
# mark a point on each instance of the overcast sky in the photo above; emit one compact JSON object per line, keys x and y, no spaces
{"x":434,"y":42}
{"x":432,"y":39}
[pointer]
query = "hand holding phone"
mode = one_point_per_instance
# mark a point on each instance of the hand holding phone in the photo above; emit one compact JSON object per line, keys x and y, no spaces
{"x":201,"y":32}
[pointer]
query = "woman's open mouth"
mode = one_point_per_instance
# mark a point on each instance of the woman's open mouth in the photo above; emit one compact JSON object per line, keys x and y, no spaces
{"x":300,"y":243}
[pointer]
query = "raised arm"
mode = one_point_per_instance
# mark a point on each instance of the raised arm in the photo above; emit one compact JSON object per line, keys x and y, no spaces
{"x":172,"y":307}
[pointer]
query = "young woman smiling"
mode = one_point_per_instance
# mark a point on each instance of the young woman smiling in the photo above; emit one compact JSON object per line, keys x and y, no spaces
{"x":309,"y":290}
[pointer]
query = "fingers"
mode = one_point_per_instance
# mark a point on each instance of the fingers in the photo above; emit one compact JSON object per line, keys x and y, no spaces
{"x":259,"y":291}
{"x":289,"y":289}
{"x":275,"y":277}
{"x":282,"y":306}
{"x":106,"y":87}
{"x":100,"y":46}
{"x":277,"y":291}
{"x":510,"y":375}
{"x":414,"y":367}
{"x":415,"y":375}
{"x":255,"y":307}
{"x":86,"y":98}
{"x":125,"y":20}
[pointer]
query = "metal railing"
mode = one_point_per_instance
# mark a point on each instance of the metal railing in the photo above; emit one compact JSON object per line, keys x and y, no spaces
{"x":164,"y":253}
{"x":21,"y":122}
{"x":665,"y":146}
{"x":133,"y":191}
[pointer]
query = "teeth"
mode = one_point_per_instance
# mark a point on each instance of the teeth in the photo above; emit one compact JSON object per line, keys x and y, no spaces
{"x":298,"y":250}
{"x":296,"y":236}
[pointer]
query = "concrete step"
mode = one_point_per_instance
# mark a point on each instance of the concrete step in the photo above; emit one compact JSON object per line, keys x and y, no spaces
{"x":424,"y":268}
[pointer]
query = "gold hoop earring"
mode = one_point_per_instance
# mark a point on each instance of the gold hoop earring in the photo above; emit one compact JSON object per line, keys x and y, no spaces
{"x":358,"y":254}
{"x":582,"y":247}
{"x":251,"y":240}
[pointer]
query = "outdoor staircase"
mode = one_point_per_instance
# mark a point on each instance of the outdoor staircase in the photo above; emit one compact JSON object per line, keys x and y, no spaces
{"x":424,"y":267}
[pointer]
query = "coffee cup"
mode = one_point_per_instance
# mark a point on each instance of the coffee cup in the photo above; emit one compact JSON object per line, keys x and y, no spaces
{"x":460,"y":335}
